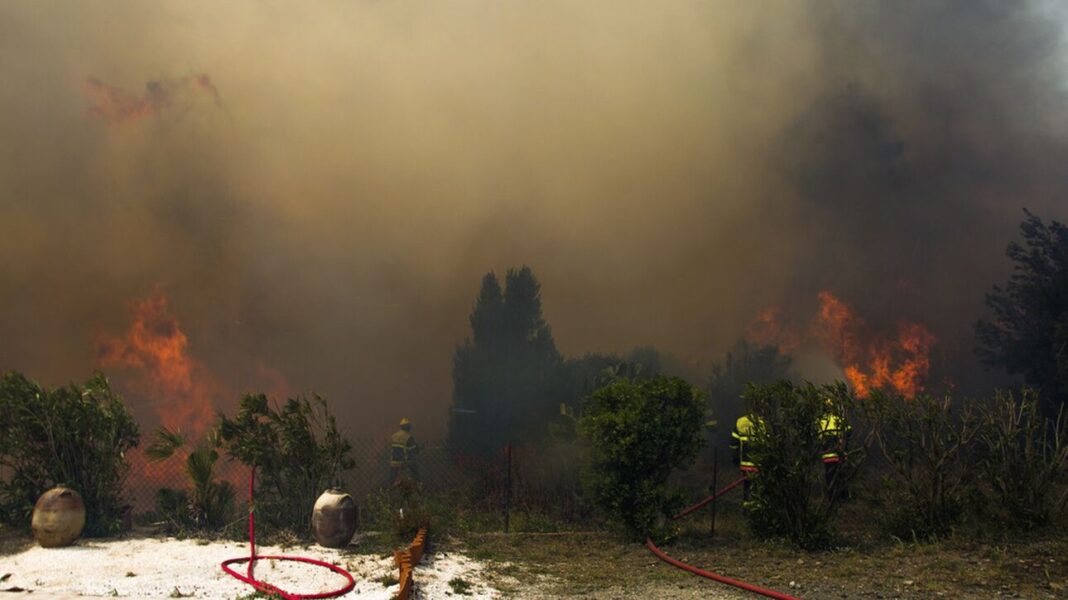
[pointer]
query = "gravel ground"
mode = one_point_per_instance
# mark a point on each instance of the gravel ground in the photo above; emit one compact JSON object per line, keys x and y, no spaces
{"x":167,"y":567}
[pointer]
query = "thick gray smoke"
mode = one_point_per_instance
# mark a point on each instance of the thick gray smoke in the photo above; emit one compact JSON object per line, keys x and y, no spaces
{"x":318,"y":188}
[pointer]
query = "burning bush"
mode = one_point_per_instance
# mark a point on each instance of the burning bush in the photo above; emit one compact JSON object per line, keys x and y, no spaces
{"x":640,"y":432}
{"x":75,"y":436}
{"x":297,"y":450}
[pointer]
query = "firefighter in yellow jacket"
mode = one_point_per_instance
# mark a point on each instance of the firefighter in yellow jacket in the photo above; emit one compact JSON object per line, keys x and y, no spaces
{"x":742,"y":441}
{"x":833,"y":432}
{"x":402,"y":453}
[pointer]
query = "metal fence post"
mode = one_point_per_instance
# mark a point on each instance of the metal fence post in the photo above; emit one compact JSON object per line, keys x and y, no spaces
{"x":508,"y":491}
{"x":715,"y":488}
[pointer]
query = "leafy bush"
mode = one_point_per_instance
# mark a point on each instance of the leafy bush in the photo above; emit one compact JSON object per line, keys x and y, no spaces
{"x":208,"y":503}
{"x":639,"y":432}
{"x":930,"y":451}
{"x":1023,"y":457}
{"x":298,"y":453}
{"x":791,"y":496}
{"x":74,"y":436}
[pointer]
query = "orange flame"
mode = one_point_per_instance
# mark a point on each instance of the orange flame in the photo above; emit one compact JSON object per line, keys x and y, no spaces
{"x":182,"y":393}
{"x":870,"y":362}
{"x":180,"y":390}
{"x":116,"y":105}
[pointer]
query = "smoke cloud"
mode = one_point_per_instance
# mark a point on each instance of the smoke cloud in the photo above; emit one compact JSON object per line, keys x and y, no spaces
{"x":669,"y":170}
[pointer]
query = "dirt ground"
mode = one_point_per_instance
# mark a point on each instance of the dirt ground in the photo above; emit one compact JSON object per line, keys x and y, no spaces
{"x":599,"y":565}
{"x":586,"y":564}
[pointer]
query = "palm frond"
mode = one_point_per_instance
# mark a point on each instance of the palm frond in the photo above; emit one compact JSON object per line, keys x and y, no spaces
{"x":164,"y":443}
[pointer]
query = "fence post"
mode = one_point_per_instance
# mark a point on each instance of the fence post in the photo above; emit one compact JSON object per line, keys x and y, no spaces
{"x":508,"y":491}
{"x":715,"y":488}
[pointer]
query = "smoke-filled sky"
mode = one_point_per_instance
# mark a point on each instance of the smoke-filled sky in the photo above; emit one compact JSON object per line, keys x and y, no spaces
{"x":317,"y":188}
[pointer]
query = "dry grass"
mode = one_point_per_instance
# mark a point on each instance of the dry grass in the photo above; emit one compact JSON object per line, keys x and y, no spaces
{"x":866,"y":565}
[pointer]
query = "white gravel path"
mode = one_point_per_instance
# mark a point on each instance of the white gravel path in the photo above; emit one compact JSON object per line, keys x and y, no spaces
{"x":166,"y":567}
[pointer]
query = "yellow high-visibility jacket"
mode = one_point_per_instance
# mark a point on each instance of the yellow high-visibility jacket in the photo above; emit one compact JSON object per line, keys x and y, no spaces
{"x":742,"y":442}
{"x":833,"y":434}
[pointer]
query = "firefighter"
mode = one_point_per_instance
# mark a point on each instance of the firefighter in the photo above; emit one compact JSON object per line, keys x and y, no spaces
{"x":742,"y":439}
{"x":402,"y":451}
{"x":833,"y":431}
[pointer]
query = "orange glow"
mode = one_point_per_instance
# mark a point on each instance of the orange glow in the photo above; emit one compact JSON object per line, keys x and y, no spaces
{"x":180,"y":390}
{"x":900,"y":364}
{"x":769,"y":329}
{"x":116,"y":105}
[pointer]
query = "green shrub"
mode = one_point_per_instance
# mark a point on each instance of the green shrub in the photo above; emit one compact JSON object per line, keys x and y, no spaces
{"x":1023,"y":457}
{"x":298,"y":453}
{"x":208,"y":503}
{"x":791,"y":494}
{"x":930,"y":450}
{"x":639,"y":432}
{"x":75,"y":436}
{"x":172,"y":506}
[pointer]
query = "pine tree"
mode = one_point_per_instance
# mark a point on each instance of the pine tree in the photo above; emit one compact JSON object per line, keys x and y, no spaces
{"x":508,"y":376}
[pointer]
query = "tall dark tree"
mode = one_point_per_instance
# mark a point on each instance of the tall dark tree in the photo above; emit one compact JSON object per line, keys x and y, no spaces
{"x":1027,"y":333}
{"x":508,"y":377}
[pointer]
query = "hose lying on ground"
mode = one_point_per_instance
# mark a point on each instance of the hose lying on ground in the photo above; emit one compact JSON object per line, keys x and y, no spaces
{"x":252,"y":558}
{"x":709,"y":574}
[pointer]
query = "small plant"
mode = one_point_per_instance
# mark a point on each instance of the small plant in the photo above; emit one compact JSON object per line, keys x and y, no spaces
{"x":1023,"y":457}
{"x":76,"y":436}
{"x":209,"y":502}
{"x":388,"y":580}
{"x":459,"y":586}
{"x":640,"y":431}
{"x":929,"y":447}
{"x":795,"y":495}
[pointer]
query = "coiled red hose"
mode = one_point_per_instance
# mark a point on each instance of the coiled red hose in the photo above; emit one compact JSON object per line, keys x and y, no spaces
{"x":756,"y":589}
{"x":251,"y":559}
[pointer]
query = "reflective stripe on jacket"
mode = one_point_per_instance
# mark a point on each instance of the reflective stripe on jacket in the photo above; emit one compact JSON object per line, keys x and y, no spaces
{"x":832,"y":435}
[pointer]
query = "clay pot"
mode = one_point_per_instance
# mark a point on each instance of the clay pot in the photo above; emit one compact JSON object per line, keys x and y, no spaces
{"x":334,"y":519}
{"x":58,"y":517}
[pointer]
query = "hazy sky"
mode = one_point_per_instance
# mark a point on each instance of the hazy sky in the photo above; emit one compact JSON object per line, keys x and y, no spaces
{"x":318,"y":187}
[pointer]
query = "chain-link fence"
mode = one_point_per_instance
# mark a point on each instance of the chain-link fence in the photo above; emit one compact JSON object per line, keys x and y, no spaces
{"x":529,"y":486}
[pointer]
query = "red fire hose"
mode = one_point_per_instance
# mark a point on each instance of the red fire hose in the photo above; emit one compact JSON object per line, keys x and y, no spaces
{"x":709,"y":574}
{"x":252,"y":558}
{"x":703,"y":503}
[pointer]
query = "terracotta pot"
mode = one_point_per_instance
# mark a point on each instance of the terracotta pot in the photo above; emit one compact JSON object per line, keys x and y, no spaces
{"x":334,"y":519}
{"x":58,"y":517}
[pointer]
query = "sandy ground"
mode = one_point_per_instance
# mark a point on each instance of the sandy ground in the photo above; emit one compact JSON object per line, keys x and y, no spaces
{"x":167,"y":567}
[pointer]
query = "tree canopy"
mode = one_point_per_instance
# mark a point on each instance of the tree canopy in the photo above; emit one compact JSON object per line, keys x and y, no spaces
{"x":508,"y":377}
{"x":1027,"y":332}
